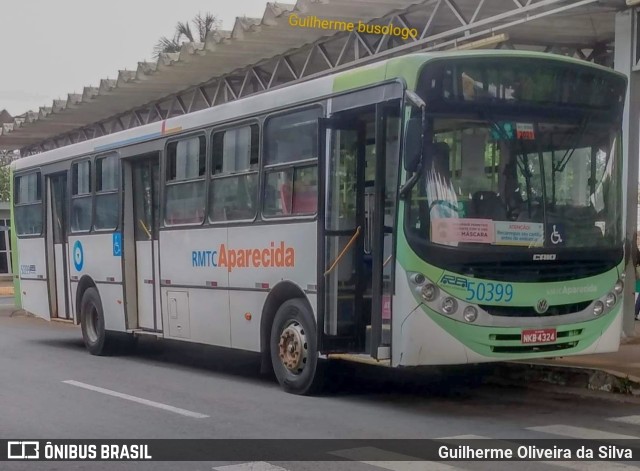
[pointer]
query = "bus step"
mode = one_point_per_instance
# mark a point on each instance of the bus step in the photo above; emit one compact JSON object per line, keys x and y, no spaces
{"x":386,"y":336}
{"x":146,"y":332}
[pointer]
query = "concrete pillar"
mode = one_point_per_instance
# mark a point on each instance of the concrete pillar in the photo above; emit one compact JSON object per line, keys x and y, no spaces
{"x":626,"y":61}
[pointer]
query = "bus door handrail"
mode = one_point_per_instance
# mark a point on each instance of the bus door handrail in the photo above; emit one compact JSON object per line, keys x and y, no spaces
{"x":343,"y":252}
{"x":145,"y":229}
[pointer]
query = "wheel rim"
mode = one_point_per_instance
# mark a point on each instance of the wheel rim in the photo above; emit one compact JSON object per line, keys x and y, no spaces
{"x":293,"y":347}
{"x":92,"y":324}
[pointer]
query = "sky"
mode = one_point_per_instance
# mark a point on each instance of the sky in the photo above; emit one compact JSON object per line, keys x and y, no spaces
{"x":50,"y":48}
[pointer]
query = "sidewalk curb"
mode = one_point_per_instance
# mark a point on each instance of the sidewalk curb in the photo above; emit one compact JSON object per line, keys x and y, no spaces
{"x":21,"y":313}
{"x":569,"y":379}
{"x":613,"y":372}
{"x":546,"y":388}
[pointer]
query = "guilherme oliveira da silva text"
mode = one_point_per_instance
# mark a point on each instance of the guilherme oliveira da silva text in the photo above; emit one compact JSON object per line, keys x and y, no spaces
{"x":532,"y":452}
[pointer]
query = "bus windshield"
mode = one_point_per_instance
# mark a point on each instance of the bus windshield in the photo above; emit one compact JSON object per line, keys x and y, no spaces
{"x":523,"y":184}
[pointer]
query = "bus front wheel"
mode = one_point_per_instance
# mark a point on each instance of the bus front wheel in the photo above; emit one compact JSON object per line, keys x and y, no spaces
{"x":294,"y":353}
{"x":92,"y":321}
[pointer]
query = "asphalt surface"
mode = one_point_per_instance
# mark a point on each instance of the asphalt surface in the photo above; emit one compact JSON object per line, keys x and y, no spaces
{"x":53,"y":389}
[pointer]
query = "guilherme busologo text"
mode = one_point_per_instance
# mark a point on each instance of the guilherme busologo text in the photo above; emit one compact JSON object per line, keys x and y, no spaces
{"x":273,"y":256}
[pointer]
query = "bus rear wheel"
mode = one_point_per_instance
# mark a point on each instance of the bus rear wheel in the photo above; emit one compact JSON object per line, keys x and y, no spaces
{"x":294,"y":353}
{"x":94,"y":334}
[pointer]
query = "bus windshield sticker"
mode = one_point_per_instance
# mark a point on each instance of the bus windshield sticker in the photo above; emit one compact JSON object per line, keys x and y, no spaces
{"x":445,"y":231}
{"x":525,"y":131}
{"x":529,"y":234}
{"x":452,"y":231}
{"x":556,"y":234}
{"x":502,"y":132}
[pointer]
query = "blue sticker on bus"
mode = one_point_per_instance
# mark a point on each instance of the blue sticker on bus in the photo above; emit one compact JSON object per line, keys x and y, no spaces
{"x":117,"y":244}
{"x":78,"y":256}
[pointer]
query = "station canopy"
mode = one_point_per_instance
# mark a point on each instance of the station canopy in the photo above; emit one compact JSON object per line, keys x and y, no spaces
{"x":259,"y":54}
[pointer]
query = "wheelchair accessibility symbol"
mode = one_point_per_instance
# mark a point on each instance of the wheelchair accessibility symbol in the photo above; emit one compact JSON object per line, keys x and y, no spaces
{"x":556,"y":238}
{"x":556,"y":234}
{"x":78,"y":256}
{"x":117,"y":244}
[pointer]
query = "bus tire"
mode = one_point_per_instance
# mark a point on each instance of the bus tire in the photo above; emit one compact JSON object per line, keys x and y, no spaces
{"x":94,"y":334}
{"x":293,"y":346}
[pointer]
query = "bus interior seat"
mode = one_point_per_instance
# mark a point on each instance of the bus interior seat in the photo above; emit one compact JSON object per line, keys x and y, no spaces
{"x":305,"y":202}
{"x":488,"y":205}
{"x":285,"y":198}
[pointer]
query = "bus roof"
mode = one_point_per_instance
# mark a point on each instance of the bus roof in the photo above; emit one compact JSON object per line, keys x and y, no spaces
{"x":405,"y":67}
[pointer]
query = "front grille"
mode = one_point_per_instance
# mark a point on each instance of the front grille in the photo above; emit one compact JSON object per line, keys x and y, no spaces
{"x":518,"y":271}
{"x":527,"y":311}
{"x":535,"y":348}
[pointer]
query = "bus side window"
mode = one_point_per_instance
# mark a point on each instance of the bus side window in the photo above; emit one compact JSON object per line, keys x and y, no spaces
{"x":234,"y":180}
{"x":186,"y":162}
{"x":107,"y":196}
{"x":81,"y":196}
{"x":28,"y":204}
{"x":291,"y":168}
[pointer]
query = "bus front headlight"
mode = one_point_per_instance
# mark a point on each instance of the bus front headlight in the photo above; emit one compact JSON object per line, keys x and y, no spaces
{"x":418,"y":278}
{"x":598,"y":308}
{"x":610,"y":300}
{"x":618,"y":287}
{"x":429,"y":292}
{"x":449,"y":305}
{"x":470,"y":314}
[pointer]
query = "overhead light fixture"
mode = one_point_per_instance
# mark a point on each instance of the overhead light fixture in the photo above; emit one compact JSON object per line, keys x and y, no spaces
{"x":484,"y":42}
{"x":633,"y":3}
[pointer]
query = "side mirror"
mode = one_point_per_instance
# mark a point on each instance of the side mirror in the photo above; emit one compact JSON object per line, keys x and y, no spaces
{"x":413,"y":145}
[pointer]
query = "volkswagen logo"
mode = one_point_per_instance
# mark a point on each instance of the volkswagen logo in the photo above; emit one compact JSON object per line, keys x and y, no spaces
{"x":542,"y":306}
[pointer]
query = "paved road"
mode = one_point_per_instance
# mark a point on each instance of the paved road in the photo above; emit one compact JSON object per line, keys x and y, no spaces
{"x":51,"y":388}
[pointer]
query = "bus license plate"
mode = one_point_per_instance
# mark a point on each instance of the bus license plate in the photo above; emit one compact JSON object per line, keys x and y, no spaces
{"x":538,"y":336}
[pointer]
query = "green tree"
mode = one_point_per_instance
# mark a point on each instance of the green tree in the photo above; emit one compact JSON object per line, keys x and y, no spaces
{"x":4,"y":183}
{"x":202,"y":25}
{"x":6,"y":157}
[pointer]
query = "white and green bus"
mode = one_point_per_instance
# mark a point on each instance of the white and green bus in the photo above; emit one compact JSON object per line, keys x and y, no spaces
{"x":430,"y":209}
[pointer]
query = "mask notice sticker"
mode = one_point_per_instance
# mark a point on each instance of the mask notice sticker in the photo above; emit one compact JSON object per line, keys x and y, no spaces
{"x":525,"y":131}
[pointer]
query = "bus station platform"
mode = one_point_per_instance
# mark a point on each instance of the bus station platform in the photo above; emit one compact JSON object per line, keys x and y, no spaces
{"x":6,"y":288}
{"x":617,"y":372}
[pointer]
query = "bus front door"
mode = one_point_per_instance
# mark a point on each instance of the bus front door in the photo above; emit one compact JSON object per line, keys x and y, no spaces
{"x":146,"y":174}
{"x":358,"y":161}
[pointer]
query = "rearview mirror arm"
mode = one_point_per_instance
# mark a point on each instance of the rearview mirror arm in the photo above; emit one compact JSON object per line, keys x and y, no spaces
{"x":406,"y":188}
{"x":415,"y":100}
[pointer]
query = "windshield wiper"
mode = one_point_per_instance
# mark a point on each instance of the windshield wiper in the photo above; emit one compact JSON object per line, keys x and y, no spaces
{"x":562,"y":163}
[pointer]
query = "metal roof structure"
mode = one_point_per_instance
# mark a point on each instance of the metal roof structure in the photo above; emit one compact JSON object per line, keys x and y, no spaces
{"x":259,"y":54}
